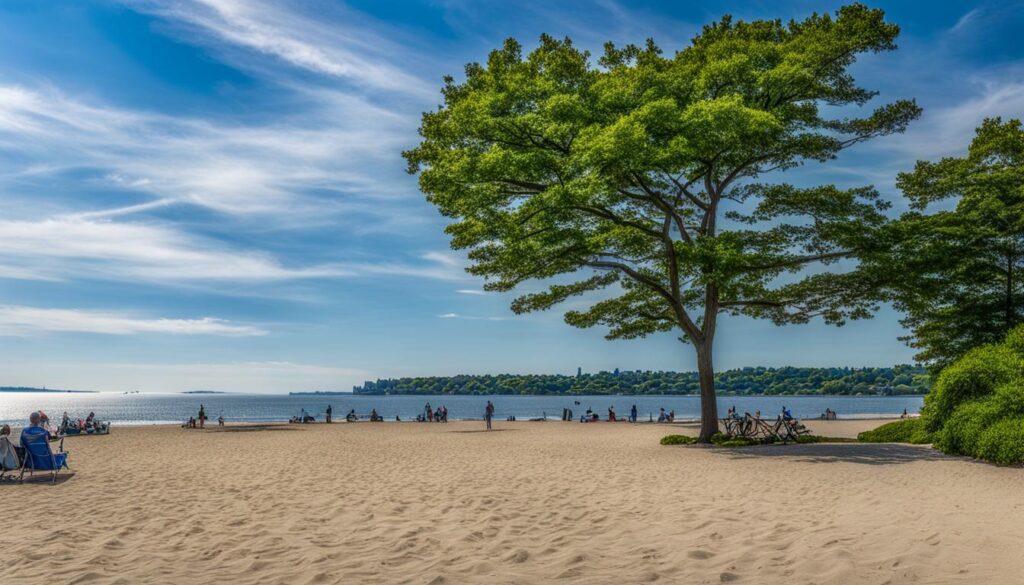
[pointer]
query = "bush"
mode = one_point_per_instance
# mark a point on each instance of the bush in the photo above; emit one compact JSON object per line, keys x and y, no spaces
{"x":678,"y":440}
{"x":911,"y":430}
{"x":973,"y":376}
{"x":724,"y":440}
{"x":1002,"y":442}
{"x":1015,"y":341}
{"x":963,"y":432}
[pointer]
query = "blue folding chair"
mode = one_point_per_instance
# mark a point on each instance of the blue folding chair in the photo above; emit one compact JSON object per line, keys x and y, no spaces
{"x":39,"y":456}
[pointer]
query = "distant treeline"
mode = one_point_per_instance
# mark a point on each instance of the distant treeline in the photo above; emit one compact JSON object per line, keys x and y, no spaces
{"x":28,"y":389}
{"x":901,"y":379}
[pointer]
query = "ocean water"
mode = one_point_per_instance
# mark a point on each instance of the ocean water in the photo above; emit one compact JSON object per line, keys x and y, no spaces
{"x":144,"y":409}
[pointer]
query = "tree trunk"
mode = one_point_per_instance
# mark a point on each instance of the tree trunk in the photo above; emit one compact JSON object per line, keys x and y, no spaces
{"x":708,"y":402}
{"x":1010,"y":316}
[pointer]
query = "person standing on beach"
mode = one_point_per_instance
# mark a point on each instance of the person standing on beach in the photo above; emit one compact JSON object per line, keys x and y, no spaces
{"x":489,"y":414}
{"x":202,"y":416}
{"x":632,"y":414}
{"x":329,"y":412}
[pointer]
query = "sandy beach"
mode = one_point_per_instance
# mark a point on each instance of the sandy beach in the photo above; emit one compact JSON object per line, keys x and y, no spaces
{"x":527,"y":503}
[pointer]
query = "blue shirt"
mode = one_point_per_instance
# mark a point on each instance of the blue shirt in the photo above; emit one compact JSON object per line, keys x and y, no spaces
{"x":34,"y":431}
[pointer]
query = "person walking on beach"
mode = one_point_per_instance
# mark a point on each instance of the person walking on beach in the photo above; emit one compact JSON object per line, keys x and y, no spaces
{"x":329,"y":412}
{"x":632,"y":414}
{"x":202,"y":416}
{"x":489,"y":414}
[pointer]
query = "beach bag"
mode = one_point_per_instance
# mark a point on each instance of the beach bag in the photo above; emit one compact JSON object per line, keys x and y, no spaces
{"x":8,"y":456}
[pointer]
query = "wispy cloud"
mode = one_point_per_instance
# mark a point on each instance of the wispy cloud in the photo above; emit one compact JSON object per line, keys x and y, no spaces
{"x":336,"y":43}
{"x":470,"y":317}
{"x":948,"y":130}
{"x":333,"y":147}
{"x":67,"y":248}
{"x":470,"y":291}
{"x":17,"y":320}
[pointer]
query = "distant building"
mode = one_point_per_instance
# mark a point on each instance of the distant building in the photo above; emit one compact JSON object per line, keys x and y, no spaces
{"x":579,"y":372}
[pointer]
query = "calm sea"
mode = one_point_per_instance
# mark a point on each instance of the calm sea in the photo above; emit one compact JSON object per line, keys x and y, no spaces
{"x":144,"y":409}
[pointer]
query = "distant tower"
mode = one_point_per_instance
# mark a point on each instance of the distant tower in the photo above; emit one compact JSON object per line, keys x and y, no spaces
{"x":616,"y":371}
{"x":579,"y":371}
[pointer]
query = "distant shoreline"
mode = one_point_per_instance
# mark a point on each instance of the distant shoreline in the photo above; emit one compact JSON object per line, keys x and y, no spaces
{"x":18,"y":389}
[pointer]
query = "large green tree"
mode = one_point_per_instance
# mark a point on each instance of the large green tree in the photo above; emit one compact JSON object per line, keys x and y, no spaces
{"x":961,"y":269}
{"x":640,"y":176}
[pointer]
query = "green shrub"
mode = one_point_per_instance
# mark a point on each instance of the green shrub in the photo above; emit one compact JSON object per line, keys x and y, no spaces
{"x":961,"y":432}
{"x":973,"y":376}
{"x":1002,"y":442}
{"x":724,"y":440}
{"x":911,"y":430}
{"x":1015,"y":341}
{"x":1010,"y":397}
{"x":678,"y":440}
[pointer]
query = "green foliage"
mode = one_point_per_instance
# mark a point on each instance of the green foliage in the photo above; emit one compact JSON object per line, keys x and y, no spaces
{"x":901,"y":379}
{"x":977,"y":407}
{"x":976,"y":374}
{"x":961,"y":433}
{"x":956,"y":273}
{"x":911,"y":430}
{"x":678,"y":440}
{"x":723,"y":440}
{"x":616,"y":175}
{"x":1003,"y":442}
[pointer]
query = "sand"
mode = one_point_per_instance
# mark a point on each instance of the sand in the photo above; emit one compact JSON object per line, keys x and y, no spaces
{"x":528,"y":503}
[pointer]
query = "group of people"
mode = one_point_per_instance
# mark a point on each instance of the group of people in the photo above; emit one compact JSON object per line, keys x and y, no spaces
{"x":199,"y":421}
{"x":829,"y":414}
{"x":440,"y":414}
{"x":11,"y":453}
{"x":591,"y":416}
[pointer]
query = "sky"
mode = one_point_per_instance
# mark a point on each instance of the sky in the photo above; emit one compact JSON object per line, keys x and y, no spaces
{"x":210,"y":194}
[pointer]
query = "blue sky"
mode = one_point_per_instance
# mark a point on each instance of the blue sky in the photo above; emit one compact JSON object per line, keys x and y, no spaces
{"x":209,"y":194}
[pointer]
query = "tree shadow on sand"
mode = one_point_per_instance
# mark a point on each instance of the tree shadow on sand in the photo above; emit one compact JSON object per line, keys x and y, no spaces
{"x":862,"y":453}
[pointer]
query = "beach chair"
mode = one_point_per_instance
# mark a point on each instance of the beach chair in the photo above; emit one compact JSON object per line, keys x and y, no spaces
{"x":39,"y":456}
{"x":10,"y":459}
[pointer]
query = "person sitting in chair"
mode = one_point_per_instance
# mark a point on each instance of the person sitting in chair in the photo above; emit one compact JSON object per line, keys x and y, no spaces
{"x":10,"y":458}
{"x":34,"y":428}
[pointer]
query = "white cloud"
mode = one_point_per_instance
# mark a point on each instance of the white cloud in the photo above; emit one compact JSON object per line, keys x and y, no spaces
{"x":470,"y":291}
{"x":17,"y":320}
{"x":966,"y":20}
{"x":337,"y":144}
{"x":334,"y":43}
{"x":470,"y":318}
{"x":66,"y":248}
{"x":948,"y":130}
